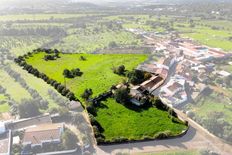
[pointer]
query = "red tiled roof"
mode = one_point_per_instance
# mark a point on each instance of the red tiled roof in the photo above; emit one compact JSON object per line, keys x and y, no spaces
{"x":46,"y":132}
{"x":174,"y":86}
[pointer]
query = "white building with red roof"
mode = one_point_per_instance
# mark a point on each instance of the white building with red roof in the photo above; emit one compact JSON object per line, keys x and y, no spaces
{"x":173,"y":93}
{"x":42,"y":134}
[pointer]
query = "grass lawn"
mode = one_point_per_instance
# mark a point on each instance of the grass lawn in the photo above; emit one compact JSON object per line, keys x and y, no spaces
{"x":97,"y":73}
{"x":119,"y":121}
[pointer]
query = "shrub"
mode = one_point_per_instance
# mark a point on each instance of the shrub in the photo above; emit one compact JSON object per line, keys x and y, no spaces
{"x":87,"y":93}
{"x":163,"y":135}
{"x":120,"y":70}
{"x":69,"y":139}
{"x":122,"y":95}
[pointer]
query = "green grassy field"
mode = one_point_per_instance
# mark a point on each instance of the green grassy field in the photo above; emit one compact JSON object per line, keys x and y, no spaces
{"x":208,"y":36}
{"x":97,"y":73}
{"x":119,"y":121}
{"x":214,"y":102}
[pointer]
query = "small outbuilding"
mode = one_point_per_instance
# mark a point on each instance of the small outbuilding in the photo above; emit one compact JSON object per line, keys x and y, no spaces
{"x":2,"y":128}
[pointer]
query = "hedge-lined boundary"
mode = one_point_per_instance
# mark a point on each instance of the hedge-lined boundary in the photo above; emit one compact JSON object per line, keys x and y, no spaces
{"x":97,"y":128}
{"x":159,"y":136}
{"x":30,"y":69}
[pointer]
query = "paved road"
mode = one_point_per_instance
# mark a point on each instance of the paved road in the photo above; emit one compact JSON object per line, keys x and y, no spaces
{"x":196,"y":138}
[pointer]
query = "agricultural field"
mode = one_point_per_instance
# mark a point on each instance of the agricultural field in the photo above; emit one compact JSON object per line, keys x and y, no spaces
{"x":134,"y":124}
{"x":203,"y":33}
{"x":38,"y":84}
{"x":97,"y":69}
{"x":95,"y":38}
{"x":4,"y":107}
{"x":12,"y":87}
{"x":21,"y":45}
{"x":31,"y":17}
{"x":214,"y":102}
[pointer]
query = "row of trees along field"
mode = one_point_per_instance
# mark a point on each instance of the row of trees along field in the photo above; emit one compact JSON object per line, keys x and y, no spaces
{"x":58,"y":86}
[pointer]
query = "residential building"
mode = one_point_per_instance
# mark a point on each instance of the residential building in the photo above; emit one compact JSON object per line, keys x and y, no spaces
{"x":6,"y":143}
{"x":40,"y":135}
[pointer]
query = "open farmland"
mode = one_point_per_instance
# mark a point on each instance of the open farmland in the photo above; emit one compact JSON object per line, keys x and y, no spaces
{"x":4,"y":107}
{"x":31,"y":17}
{"x":135,"y":123}
{"x":97,"y":69}
{"x":95,"y":38}
{"x":217,"y":103}
{"x":117,"y":120}
{"x":12,"y":87}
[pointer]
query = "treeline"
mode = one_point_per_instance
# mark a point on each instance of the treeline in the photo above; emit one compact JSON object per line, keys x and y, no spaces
{"x":50,"y":31}
{"x":5,"y":55}
{"x":58,"y":86}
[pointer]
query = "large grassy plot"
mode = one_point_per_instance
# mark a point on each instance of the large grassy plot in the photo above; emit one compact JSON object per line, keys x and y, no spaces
{"x":97,"y":69}
{"x":119,"y":121}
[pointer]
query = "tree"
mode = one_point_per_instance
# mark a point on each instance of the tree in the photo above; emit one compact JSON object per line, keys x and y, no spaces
{"x":158,"y":103}
{"x":227,"y":81}
{"x":122,"y":95}
{"x":63,"y":112}
{"x":60,"y":88}
{"x":70,"y":96}
{"x":215,"y":123}
{"x":112,"y":44}
{"x":73,"y":73}
{"x":69,"y":140}
{"x":53,"y":110}
{"x":120,"y":70}
{"x":27,"y":108}
{"x":136,"y":77}
{"x":87,"y":93}
{"x":67,"y":73}
{"x":43,"y":104}
{"x":82,"y":58}
{"x":228,"y":133}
